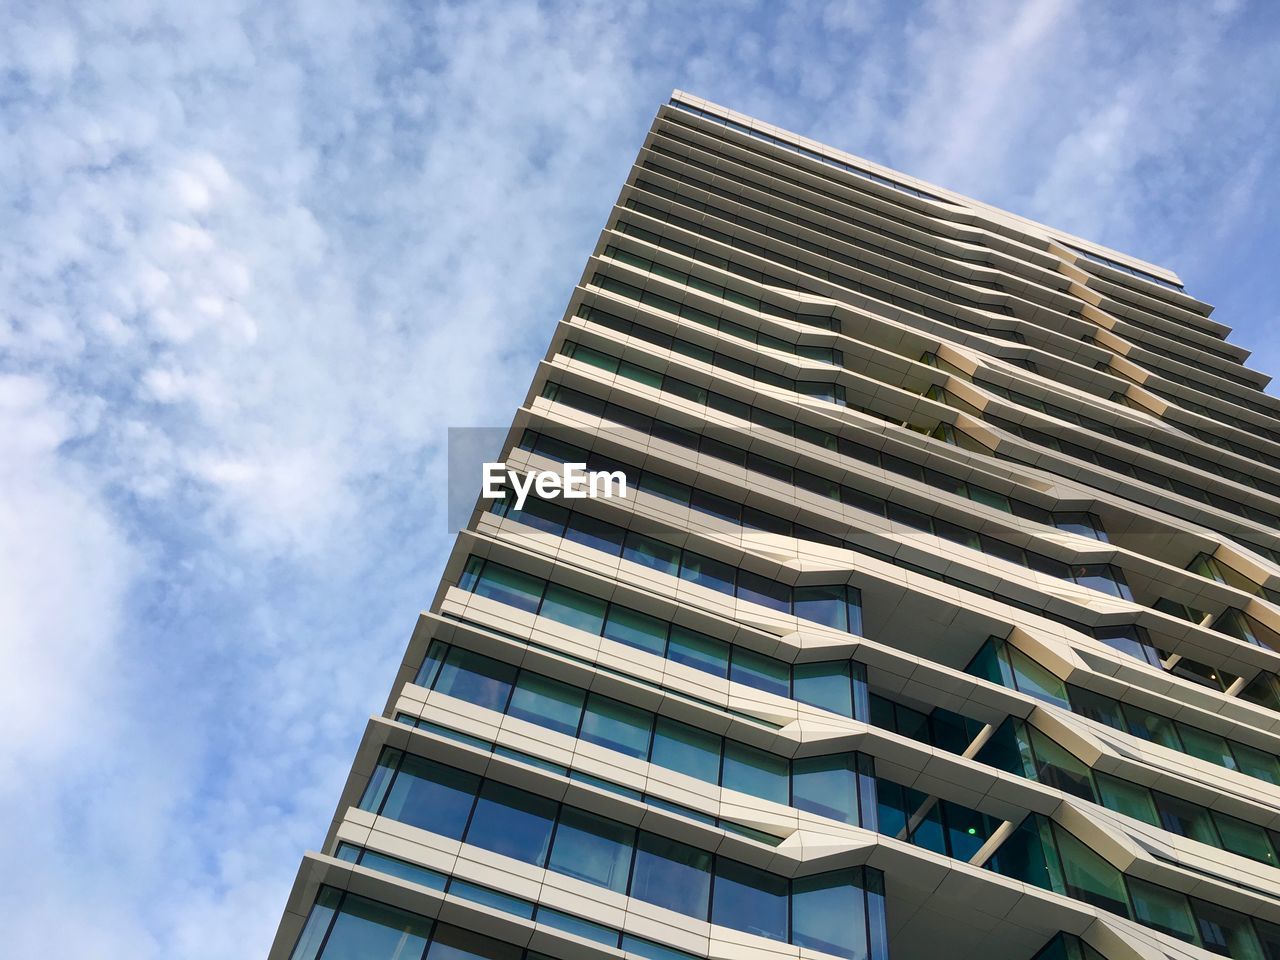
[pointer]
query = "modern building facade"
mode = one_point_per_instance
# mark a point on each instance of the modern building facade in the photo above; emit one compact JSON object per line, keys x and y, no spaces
{"x":942,"y":617}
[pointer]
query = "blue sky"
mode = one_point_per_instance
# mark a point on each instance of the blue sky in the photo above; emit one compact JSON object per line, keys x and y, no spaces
{"x":255,"y":258}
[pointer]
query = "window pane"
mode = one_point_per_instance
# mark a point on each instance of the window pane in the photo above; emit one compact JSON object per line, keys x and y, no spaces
{"x":826,"y":786}
{"x":616,"y":725}
{"x":651,"y":553}
{"x":672,"y":875}
{"x":1247,"y":839}
{"x":512,"y":822}
{"x":1163,"y":909}
{"x":593,"y":849}
{"x":756,"y":772}
{"x":1256,"y":763}
{"x":476,"y":678}
{"x":825,"y":605}
{"x":1186,"y":819}
{"x":1033,"y":679}
{"x":636,"y":629}
{"x":573,"y":608}
{"x":512,"y":587}
{"x":453,"y":943}
{"x":760,"y":671}
{"x":1127,"y":798}
{"x":396,"y":867}
{"x":541,"y":515}
{"x":586,"y":929}
{"x":308,"y":945}
{"x":1095,"y":706}
{"x":432,"y":796}
{"x":1150,"y":726}
{"x":1088,"y":876}
{"x":750,"y":900}
{"x":594,"y":533}
{"x":828,"y":913}
{"x":698,"y":650}
{"x":547,"y":702}
{"x":686,"y":749}
{"x":825,"y":685}
{"x":967,"y":830}
{"x":706,"y":572}
{"x":770,"y":593}
{"x":368,"y":930}
{"x":1226,"y":932}
{"x":1206,"y":746}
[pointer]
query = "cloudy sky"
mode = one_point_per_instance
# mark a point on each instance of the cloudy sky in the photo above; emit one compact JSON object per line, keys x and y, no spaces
{"x":255,"y":257}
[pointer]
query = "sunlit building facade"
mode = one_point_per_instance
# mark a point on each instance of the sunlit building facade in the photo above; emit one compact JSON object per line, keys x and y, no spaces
{"x":940,"y":620}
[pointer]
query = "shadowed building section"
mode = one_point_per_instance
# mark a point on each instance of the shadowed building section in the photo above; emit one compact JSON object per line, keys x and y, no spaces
{"x":939,"y":617}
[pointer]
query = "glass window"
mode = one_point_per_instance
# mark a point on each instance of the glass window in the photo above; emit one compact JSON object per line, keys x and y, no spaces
{"x":1186,"y":819}
{"x":707,"y":572}
{"x":826,"y":786}
{"x":1095,"y":706}
{"x":1128,"y":798}
{"x":368,"y":930}
{"x":698,"y":650}
{"x":686,"y":749}
{"x":755,"y":772}
{"x":541,"y":515}
{"x":308,"y":945}
{"x":573,"y":608}
{"x":395,"y":867}
{"x":828,"y":913}
{"x":1256,"y":763}
{"x":967,"y":830}
{"x":593,"y":849}
{"x":826,"y":685}
{"x":760,"y":671}
{"x":1206,"y":746}
{"x":636,"y":629}
{"x":769,"y":593}
{"x":476,"y":678}
{"x":1164,"y":909}
{"x":1226,"y":932}
{"x":547,"y":702}
{"x":1033,"y":679}
{"x":454,"y":943}
{"x":1088,"y":876}
{"x":825,"y":605}
{"x":651,"y":553}
{"x":617,"y":726}
{"x":515,"y":588}
{"x":586,"y":929}
{"x":431,"y":664}
{"x":432,"y":796}
{"x":1246,"y":839}
{"x":594,"y":533}
{"x":672,"y":874}
{"x":1151,"y":726}
{"x":750,"y":900}
{"x":492,"y":898}
{"x":512,"y":822}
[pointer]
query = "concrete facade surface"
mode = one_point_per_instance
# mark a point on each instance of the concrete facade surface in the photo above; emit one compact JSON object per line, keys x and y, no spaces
{"x":941,"y":616}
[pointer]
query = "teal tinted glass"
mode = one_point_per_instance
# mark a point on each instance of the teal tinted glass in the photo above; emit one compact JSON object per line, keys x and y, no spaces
{"x":698,"y":650}
{"x":636,"y":629}
{"x":826,"y":685}
{"x":547,"y":702}
{"x":593,"y":849}
{"x":617,"y":726}
{"x":686,"y":749}
{"x":573,"y":608}
{"x":755,"y":772}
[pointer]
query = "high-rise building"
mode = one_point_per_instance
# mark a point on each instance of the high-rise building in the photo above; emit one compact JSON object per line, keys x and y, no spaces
{"x":940,"y":618}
